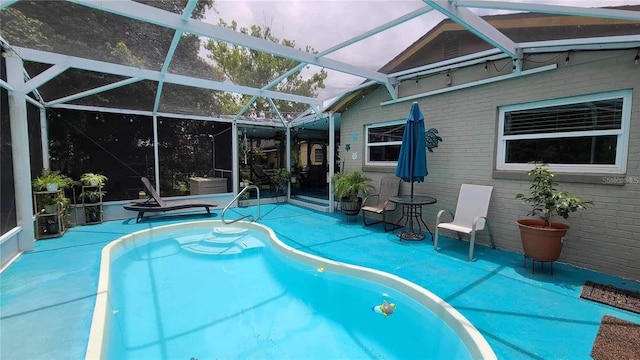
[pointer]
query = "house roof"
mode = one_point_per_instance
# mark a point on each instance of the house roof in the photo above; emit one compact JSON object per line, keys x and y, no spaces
{"x":519,"y":27}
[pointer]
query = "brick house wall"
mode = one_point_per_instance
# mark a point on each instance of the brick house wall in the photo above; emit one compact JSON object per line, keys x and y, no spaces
{"x":604,"y":238}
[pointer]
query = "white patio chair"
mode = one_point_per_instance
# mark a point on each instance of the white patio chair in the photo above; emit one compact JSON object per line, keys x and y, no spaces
{"x":470,"y":216}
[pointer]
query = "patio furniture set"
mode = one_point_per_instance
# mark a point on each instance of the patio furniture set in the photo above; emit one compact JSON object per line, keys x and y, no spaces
{"x":470,"y":215}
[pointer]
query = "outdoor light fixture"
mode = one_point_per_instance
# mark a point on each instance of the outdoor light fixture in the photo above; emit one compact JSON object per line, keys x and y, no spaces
{"x":447,"y":79}
{"x":566,"y":60}
{"x":486,"y":66}
{"x":637,"y":58}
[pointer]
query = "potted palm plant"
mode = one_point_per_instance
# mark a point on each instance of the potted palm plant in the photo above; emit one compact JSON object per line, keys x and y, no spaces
{"x":348,"y":187}
{"x":51,"y":180}
{"x":542,"y":237}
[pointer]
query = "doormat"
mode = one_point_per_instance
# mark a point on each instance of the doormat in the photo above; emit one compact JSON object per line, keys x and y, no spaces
{"x":612,"y":296}
{"x":616,"y":339}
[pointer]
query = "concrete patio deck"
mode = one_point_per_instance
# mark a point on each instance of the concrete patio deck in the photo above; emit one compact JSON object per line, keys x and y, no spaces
{"x":47,"y":296}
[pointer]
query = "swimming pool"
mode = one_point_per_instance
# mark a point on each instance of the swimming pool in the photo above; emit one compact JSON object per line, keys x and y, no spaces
{"x":205,"y":290}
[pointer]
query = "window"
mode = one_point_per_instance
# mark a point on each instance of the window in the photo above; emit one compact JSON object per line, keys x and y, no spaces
{"x":586,"y":134}
{"x":382,"y":143}
{"x":318,"y":156}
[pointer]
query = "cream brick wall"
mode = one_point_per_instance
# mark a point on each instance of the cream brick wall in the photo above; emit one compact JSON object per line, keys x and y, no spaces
{"x":605,"y":237}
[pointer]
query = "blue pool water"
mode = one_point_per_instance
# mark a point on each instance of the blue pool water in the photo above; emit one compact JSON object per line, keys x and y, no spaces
{"x":226,"y":293}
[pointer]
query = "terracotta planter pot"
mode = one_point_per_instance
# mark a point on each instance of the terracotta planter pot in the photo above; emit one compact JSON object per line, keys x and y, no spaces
{"x":350,"y":207}
{"x":541,"y":244}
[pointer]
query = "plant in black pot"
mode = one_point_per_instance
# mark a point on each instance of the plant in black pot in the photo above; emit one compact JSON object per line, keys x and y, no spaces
{"x":243,"y":200}
{"x":91,"y":214}
{"x":348,"y":187}
{"x":280,"y":179}
{"x":542,"y":238}
{"x":52,"y":226}
{"x":91,"y":197}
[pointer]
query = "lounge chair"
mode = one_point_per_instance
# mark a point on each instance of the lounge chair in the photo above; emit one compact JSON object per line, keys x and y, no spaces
{"x":471,"y":215}
{"x":379,"y":203}
{"x":155,"y":203}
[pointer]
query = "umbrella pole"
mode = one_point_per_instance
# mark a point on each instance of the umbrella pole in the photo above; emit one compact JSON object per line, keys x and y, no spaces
{"x":411,"y":172}
{"x":412,"y":208}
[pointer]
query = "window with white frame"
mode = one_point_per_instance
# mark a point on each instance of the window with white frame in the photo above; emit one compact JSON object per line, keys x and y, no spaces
{"x":587,"y":134}
{"x":382,"y":143}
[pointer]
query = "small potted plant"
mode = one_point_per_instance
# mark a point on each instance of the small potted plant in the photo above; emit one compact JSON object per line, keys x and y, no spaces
{"x":51,"y":180}
{"x":91,"y":179}
{"x":348,"y":187}
{"x":49,"y":205}
{"x":542,"y":237}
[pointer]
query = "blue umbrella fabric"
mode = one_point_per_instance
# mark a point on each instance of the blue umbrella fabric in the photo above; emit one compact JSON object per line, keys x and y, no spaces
{"x":412,"y":162}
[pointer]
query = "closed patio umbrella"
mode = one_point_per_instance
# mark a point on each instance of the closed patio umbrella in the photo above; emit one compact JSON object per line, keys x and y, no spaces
{"x":412,"y":161}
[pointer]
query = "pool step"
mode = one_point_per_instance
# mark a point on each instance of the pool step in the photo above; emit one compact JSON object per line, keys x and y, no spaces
{"x":229,"y":230}
{"x":203,"y":249}
{"x":219,"y":243}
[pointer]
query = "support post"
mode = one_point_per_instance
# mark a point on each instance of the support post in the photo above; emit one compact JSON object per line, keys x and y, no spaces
{"x":288,"y":159}
{"x":20,"y":152}
{"x":44,"y":138}
{"x":332,"y":157}
{"x":234,"y":157}
{"x":156,"y":159}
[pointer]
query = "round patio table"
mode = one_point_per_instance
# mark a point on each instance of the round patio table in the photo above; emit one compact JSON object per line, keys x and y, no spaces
{"x":412,"y":214}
